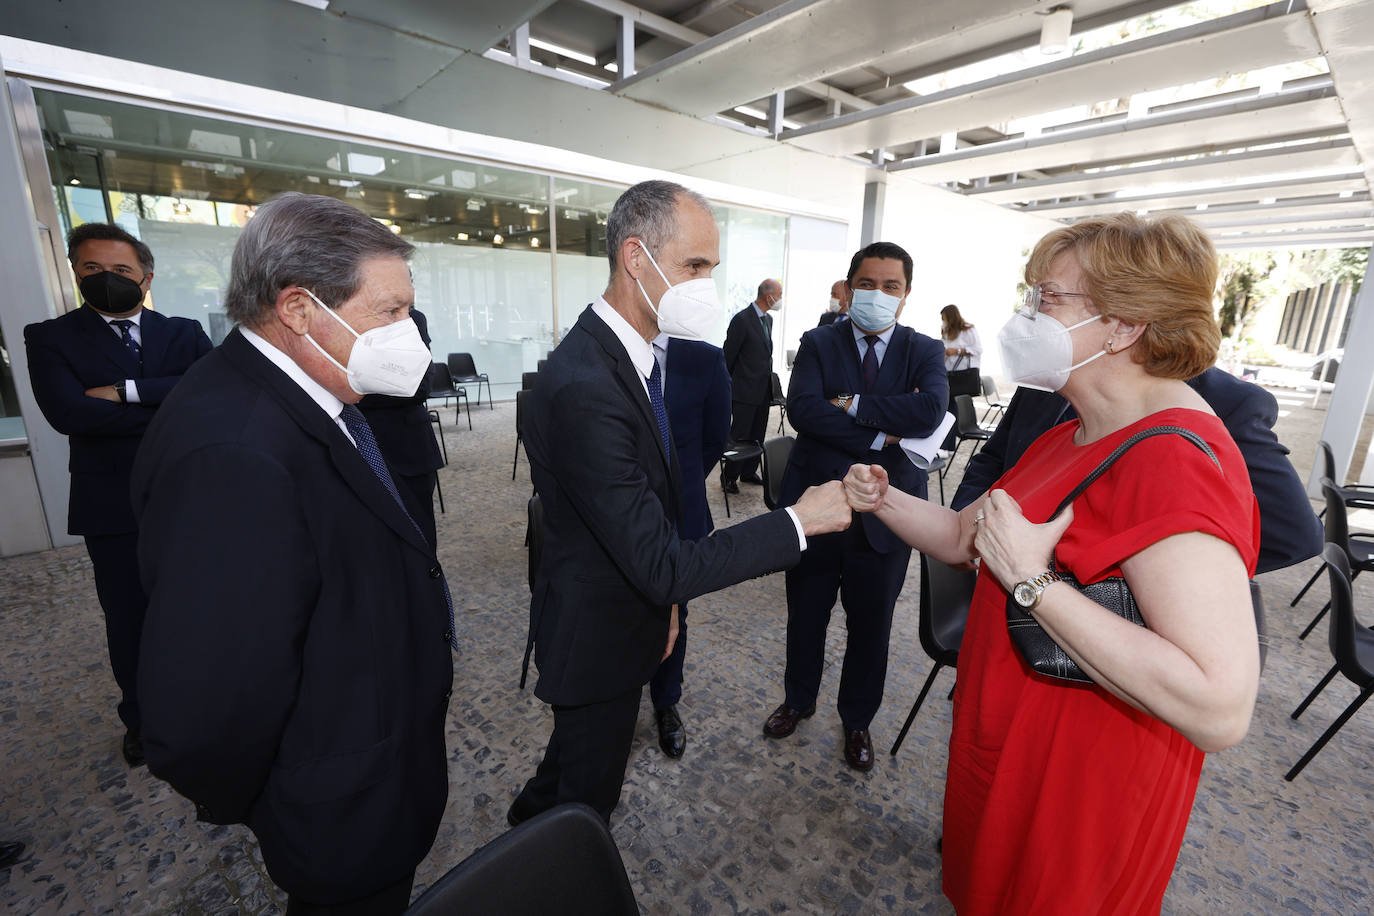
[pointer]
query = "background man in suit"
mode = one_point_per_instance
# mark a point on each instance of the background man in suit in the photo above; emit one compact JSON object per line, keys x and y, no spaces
{"x":1289,"y":529}
{"x":839,"y":305}
{"x":613,"y":564}
{"x":100,"y":373}
{"x":858,"y":387}
{"x":300,"y":619}
{"x":403,"y":431}
{"x":749,"y":357}
{"x":696,"y":391}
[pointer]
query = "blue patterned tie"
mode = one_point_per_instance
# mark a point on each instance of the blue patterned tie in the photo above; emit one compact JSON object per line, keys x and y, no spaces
{"x":367,"y":447}
{"x":660,"y":412}
{"x":871,"y":362}
{"x":124,"y":324}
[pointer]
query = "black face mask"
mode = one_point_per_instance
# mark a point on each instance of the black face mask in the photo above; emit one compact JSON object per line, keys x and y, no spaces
{"x":108,"y":292}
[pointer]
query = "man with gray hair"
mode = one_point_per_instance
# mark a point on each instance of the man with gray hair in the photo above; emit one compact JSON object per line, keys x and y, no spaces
{"x":300,"y":622}
{"x":613,"y":568}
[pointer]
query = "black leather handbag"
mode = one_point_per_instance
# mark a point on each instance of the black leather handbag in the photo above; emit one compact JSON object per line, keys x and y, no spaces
{"x":964,"y":381}
{"x":1043,"y":654}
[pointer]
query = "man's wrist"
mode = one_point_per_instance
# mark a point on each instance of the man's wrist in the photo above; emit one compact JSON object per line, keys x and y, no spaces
{"x":119,"y":388}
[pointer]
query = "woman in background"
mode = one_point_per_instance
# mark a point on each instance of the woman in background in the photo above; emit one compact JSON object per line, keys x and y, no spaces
{"x":963,"y":356}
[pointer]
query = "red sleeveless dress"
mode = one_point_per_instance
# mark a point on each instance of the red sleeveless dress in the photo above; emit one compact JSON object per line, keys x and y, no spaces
{"x":1061,"y":798}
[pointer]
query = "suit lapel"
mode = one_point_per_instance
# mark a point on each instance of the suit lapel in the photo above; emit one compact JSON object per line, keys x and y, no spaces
{"x":842,"y":336}
{"x":153,"y":329}
{"x":892,"y":368}
{"x":354,"y":469}
{"x":106,"y":341}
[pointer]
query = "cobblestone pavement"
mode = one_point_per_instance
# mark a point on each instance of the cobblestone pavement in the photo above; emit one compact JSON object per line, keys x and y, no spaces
{"x":740,"y":825}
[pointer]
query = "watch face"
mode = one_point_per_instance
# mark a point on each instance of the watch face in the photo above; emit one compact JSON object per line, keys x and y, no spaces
{"x":1025,"y":594}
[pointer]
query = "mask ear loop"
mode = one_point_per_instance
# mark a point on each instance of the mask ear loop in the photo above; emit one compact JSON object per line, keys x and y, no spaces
{"x":645,"y":248}
{"x":323,"y":352}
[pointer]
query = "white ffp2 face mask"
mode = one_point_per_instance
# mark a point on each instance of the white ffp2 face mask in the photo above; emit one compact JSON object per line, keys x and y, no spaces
{"x":1038,"y":352}
{"x":688,"y":310}
{"x":834,"y":304}
{"x":390,"y":360}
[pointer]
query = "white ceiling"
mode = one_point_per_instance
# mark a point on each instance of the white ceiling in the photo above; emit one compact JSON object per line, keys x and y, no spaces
{"x":1273,"y":156}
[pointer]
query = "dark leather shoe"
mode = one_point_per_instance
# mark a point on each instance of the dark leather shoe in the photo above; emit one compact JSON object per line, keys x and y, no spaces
{"x":784,"y":719}
{"x":133,"y":748}
{"x":672,"y":737}
{"x":858,"y":749}
{"x":731,"y":487}
{"x":752,"y":478}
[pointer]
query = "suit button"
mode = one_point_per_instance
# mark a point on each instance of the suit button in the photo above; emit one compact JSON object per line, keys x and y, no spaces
{"x":447,"y":694}
{"x":448,"y":637}
{"x":435,"y":572}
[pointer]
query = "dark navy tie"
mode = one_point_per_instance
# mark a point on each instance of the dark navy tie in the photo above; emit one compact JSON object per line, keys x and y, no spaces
{"x":660,"y":412}
{"x":361,"y":432}
{"x":124,"y":324}
{"x":871,"y":362}
{"x":768,"y":329}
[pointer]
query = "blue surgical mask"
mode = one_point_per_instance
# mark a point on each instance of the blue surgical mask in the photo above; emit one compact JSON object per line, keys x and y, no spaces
{"x":873,"y":310}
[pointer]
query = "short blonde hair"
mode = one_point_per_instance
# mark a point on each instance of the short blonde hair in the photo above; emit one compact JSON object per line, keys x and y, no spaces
{"x":1159,"y":272}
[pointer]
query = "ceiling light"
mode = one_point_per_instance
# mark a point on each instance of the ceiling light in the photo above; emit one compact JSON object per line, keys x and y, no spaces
{"x":498,"y":239}
{"x":180,"y":208}
{"x":1201,"y":207}
{"x":534,"y":242}
{"x":474,"y":204}
{"x":1054,"y":31}
{"x":314,"y":4}
{"x":419,"y":193}
{"x":562,"y":51}
{"x":752,"y":112}
{"x":75,"y":181}
{"x":462,"y":236}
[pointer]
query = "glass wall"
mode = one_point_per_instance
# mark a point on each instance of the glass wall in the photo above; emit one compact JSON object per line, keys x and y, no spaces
{"x":485,"y":268}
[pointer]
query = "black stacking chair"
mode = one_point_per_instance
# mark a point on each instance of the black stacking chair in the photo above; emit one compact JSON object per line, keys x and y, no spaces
{"x":534,"y":541}
{"x":539,"y":366}
{"x":519,"y":429}
{"x":735,"y":453}
{"x":940,"y":465}
{"x":945,"y":597}
{"x":778,"y":400}
{"x":441,"y":386}
{"x":991,"y":398}
{"x":559,"y":863}
{"x":775,"y":455}
{"x":966,"y":428}
{"x":1352,"y":647}
{"x":464,"y":372}
{"x":1359,"y":548}
{"x":438,"y":487}
{"x":527,"y":380}
{"x":1356,"y":496}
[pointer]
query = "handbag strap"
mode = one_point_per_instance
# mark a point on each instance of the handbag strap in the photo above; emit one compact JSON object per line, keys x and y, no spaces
{"x":1126,"y":446}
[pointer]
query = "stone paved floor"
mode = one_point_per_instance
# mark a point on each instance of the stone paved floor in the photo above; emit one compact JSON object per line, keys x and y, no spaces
{"x":741,"y":824}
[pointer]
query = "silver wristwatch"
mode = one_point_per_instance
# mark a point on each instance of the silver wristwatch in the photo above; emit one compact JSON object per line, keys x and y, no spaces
{"x":1027,"y":594}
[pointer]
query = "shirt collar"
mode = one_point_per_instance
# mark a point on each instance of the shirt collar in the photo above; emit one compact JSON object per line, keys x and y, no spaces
{"x":317,"y":392}
{"x":136,"y":318}
{"x":758,"y":311}
{"x":860,"y":334}
{"x":641,"y":353}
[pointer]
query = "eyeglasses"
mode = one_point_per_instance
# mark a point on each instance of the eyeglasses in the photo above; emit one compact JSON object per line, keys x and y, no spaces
{"x":1038,"y":295}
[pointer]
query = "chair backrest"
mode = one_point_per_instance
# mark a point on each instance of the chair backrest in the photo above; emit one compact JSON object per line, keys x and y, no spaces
{"x":946,"y":594}
{"x":1328,"y":459}
{"x":775,"y":455}
{"x":989,"y":388}
{"x":539,"y":367}
{"x":965,"y":414}
{"x":560,"y":862}
{"x":461,"y":365}
{"x":777,"y":395}
{"x":439,"y":378}
{"x":527,"y":380}
{"x":1336,"y":522}
{"x":534,"y":512}
{"x":791,"y":358}
{"x":1341,"y":637}
{"x":519,"y":414}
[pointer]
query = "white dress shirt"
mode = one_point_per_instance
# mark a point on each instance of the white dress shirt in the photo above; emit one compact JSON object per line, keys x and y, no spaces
{"x":321,"y":395}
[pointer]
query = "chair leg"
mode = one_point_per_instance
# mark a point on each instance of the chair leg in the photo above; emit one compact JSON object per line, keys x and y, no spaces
{"x":1315,"y":620}
{"x":1321,"y":685}
{"x":915,"y":708}
{"x":726,"y":494}
{"x":491,"y":405}
{"x":1310,"y":582}
{"x":438,"y":488}
{"x":1329,"y":733}
{"x":942,"y":488}
{"x":516,"y":460}
{"x":468,"y":407}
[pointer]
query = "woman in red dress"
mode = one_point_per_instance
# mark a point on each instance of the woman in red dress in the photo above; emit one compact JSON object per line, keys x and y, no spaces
{"x":1073,"y":798}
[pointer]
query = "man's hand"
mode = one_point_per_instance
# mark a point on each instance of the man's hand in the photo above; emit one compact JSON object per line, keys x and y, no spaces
{"x":823,"y":509}
{"x":865,"y":486}
{"x":672,"y":633}
{"x":105,"y":393}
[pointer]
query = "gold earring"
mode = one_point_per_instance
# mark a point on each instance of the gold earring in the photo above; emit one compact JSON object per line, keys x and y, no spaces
{"x":1109,"y":345}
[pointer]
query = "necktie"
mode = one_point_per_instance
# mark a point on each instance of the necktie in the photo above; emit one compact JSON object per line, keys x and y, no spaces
{"x":124,"y":324}
{"x":367,"y":447}
{"x":768,"y":329}
{"x":871,"y":362}
{"x":660,"y":412}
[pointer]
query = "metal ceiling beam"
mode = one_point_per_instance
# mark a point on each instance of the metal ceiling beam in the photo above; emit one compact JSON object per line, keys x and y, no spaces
{"x":1363,"y":219}
{"x":1351,"y":241}
{"x":1191,"y":195}
{"x":1301,"y":157}
{"x":1232,"y":44}
{"x":667,"y":28}
{"x":1293,"y":113}
{"x":480,"y":27}
{"x":1344,"y":28}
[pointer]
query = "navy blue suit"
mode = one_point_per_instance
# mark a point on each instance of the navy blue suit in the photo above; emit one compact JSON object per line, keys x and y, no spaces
{"x":68,"y":355}
{"x":1289,"y":529}
{"x":696,"y":392}
{"x":749,"y":359}
{"x":867,"y":564}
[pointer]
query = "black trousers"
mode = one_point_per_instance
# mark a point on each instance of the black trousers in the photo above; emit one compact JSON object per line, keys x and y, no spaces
{"x":868,"y":584}
{"x":748,"y":423}
{"x":115,"y":560}
{"x":389,"y":901}
{"x":585,"y":758}
{"x":665,"y":687}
